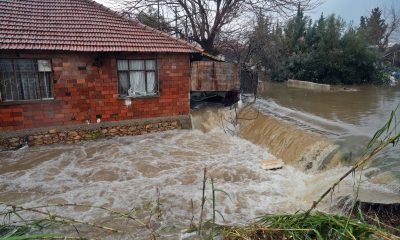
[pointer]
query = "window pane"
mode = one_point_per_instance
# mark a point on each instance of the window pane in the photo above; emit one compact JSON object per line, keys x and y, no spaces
{"x":6,"y":66}
{"x":21,"y":80}
{"x":136,"y":65}
{"x":44,"y":66}
{"x":150,"y":64}
{"x":122,"y":64}
{"x":27,"y":79}
{"x":8,"y":89}
{"x":27,"y":82}
{"x":24,"y":65}
{"x":123,"y":83}
{"x":45,"y":85}
{"x":151,"y":82}
{"x":138,"y":84}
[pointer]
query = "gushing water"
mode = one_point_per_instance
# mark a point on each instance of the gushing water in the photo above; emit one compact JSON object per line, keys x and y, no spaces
{"x":347,"y":118}
{"x":124,"y":172}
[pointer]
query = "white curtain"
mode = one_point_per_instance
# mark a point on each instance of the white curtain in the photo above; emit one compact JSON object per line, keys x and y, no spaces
{"x":139,"y":71}
{"x":151,"y":82}
{"x":138,"y":84}
{"x":151,"y":76}
{"x":136,"y":65}
{"x":123,"y":65}
{"x":150,"y":64}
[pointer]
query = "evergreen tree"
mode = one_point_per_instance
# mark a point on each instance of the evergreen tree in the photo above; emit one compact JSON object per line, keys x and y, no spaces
{"x":376,"y":27}
{"x":295,"y":31}
{"x":324,"y":51}
{"x":151,"y":18}
{"x":363,"y":23}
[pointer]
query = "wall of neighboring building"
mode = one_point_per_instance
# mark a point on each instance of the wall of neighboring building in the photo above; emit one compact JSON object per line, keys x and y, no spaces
{"x":85,"y":88}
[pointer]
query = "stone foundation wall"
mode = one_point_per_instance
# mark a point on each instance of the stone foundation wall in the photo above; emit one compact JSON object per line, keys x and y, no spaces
{"x":77,"y":133}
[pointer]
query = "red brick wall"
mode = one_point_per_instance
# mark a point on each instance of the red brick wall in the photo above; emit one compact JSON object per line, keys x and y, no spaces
{"x":80,"y":95}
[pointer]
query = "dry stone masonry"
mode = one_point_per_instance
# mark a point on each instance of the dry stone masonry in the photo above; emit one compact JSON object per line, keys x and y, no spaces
{"x":69,"y":135}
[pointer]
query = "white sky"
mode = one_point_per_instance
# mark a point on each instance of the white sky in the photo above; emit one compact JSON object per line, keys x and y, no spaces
{"x":109,"y":3}
{"x":352,"y":10}
{"x":349,"y":10}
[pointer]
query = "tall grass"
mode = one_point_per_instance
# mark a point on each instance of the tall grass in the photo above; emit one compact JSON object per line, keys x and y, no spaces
{"x":309,"y":225}
{"x":320,"y":226}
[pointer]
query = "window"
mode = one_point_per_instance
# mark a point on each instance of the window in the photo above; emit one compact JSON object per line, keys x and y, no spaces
{"x":137,"y":78}
{"x":25,"y":79}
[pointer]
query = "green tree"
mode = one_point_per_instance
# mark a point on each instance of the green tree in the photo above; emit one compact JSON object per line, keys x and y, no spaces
{"x":267,"y":39}
{"x":363,"y":23}
{"x":359,"y":61}
{"x":330,"y":53}
{"x":295,"y":31}
{"x":375,"y":27}
{"x":151,"y":18}
{"x":324,"y":51}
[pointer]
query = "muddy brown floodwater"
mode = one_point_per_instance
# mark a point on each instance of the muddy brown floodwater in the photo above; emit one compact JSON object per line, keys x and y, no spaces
{"x":348,"y":117}
{"x":125,"y":173}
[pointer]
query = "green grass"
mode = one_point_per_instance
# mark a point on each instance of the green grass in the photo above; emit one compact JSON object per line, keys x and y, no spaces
{"x":320,"y":226}
{"x":22,"y":232}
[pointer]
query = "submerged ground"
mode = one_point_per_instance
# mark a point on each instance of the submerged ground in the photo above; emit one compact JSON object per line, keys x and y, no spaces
{"x":126,"y":173}
{"x":158,"y":178}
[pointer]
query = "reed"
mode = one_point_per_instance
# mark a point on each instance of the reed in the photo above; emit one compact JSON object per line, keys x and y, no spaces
{"x":384,"y":137}
{"x":15,"y":227}
{"x":320,"y":226}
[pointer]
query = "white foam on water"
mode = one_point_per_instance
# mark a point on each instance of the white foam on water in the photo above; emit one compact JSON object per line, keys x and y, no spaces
{"x":308,"y":120}
{"x":124,"y":172}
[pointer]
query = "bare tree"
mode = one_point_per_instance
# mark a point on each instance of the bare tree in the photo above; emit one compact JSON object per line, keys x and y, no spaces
{"x":392,"y":18}
{"x":202,"y":21}
{"x":236,"y":44}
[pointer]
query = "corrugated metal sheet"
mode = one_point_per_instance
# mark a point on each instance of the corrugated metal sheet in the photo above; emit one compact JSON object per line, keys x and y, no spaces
{"x":214,"y":76}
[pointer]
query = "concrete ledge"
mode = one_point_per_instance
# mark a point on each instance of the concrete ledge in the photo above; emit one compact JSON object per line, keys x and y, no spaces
{"x":308,"y":85}
{"x":76,"y":133}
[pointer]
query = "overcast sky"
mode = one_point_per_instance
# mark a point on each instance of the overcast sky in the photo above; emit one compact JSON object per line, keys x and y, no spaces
{"x":352,"y":10}
{"x":109,"y":3}
{"x":349,"y":10}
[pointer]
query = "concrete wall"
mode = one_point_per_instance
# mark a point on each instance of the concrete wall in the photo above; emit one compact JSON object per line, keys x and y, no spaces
{"x":308,"y":85}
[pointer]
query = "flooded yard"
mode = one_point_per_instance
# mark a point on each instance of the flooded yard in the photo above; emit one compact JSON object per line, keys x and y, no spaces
{"x":134,"y":173}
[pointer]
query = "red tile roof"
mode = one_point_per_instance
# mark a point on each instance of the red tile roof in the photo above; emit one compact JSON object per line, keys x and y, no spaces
{"x":78,"y":25}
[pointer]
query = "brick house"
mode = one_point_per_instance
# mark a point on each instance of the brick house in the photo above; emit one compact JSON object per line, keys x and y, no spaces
{"x":75,"y":63}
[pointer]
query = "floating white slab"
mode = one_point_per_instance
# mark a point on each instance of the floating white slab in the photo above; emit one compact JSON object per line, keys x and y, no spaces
{"x":272,"y":164}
